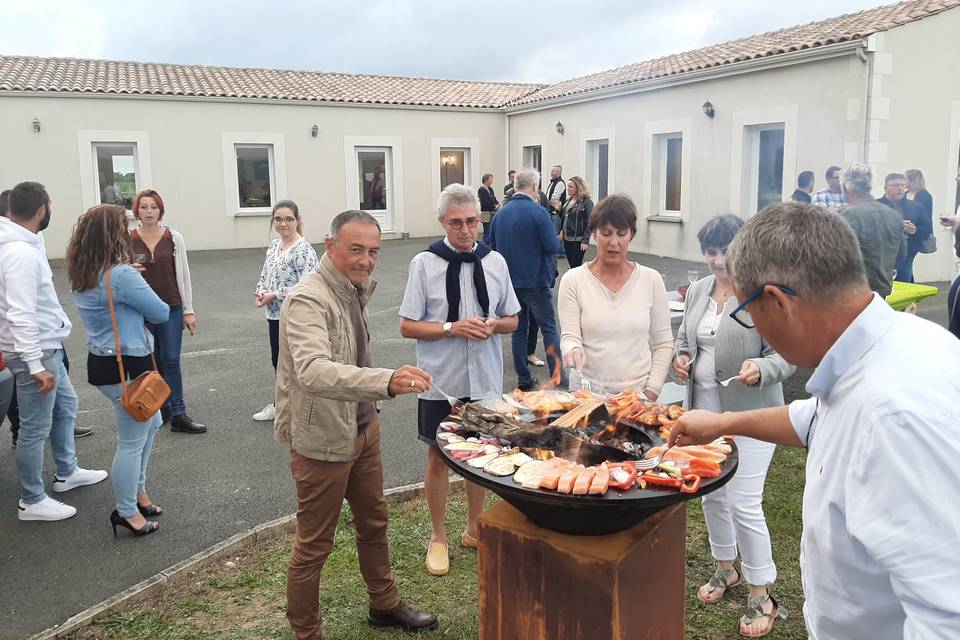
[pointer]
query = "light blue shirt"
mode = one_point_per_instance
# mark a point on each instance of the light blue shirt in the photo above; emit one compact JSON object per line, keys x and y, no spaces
{"x":881,"y":506}
{"x":133,"y":300}
{"x":463,"y":368}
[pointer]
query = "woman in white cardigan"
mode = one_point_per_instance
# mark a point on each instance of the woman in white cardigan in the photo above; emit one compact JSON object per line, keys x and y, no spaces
{"x":712,"y":346}
{"x":614,"y":317}
{"x":161,"y":253}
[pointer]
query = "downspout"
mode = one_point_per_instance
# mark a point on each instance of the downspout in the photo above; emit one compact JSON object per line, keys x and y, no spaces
{"x":506,"y":144}
{"x":867,"y":107}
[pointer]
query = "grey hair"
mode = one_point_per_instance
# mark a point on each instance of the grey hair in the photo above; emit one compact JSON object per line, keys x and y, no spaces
{"x":857,"y":178}
{"x":525,"y":179}
{"x":456,"y":195}
{"x":803,"y":247}
{"x":351,"y":215}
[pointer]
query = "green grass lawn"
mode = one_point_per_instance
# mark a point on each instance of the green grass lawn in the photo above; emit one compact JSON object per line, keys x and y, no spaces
{"x":248,"y":600}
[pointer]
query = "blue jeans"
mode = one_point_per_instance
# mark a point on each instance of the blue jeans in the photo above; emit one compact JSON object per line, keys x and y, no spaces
{"x":134,"y":442}
{"x":532,"y":334}
{"x":167,"y":338}
{"x":905,"y":268}
{"x":538,"y":303}
{"x":42,"y":416}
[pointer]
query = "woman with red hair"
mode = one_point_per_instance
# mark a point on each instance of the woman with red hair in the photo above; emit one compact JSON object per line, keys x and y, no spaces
{"x":162,"y":253}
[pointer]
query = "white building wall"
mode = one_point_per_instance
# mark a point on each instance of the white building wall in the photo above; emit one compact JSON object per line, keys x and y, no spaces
{"x":821,"y":101}
{"x":187,"y":161}
{"x":920,"y":89}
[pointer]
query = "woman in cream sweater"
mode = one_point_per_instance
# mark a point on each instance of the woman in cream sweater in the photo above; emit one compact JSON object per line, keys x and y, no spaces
{"x":614,"y":318}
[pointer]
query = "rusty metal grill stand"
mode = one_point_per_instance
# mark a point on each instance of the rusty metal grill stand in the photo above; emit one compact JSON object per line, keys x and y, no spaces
{"x":537,"y":584}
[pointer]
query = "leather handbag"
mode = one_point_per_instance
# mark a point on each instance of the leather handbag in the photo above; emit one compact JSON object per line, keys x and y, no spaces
{"x":144,"y":396}
{"x":929,"y":244}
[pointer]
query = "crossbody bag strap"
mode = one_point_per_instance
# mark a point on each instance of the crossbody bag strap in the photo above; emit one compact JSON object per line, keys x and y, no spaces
{"x":116,"y":332}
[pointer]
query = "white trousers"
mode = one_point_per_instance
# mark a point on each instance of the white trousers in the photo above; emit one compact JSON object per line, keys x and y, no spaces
{"x":734,"y":515}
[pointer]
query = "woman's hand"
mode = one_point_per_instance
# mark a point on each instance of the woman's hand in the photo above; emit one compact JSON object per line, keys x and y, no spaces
{"x":576,"y":359}
{"x":264,"y":298}
{"x":190,"y":323}
{"x":681,"y":367}
{"x":749,"y":373}
{"x":584,"y":246}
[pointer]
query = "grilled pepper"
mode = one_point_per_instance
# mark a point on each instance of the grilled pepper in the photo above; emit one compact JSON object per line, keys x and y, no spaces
{"x":657,"y":480}
{"x":701,"y":467}
{"x":622,"y":476}
{"x":691,"y":484}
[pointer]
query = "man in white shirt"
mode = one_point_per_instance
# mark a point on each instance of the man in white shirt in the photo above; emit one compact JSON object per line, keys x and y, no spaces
{"x":458,"y":301}
{"x":881,"y":527}
{"x":33,"y":326}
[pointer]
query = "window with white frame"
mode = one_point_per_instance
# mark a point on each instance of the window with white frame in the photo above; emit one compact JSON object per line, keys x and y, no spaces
{"x":256,"y":176}
{"x":454,"y":166}
{"x":763,"y":158}
{"x":598,"y":168}
{"x":532,"y":158}
{"x":116,"y":172}
{"x":668,"y":173}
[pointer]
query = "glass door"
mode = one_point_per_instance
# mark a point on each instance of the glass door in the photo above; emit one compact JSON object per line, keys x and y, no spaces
{"x":375,"y":184}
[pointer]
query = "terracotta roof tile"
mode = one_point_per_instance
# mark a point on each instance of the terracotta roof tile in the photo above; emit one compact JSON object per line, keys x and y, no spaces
{"x":22,"y":73}
{"x":844,"y":28}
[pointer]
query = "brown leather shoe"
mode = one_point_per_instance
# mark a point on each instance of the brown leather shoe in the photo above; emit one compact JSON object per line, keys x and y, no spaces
{"x":403,"y":616}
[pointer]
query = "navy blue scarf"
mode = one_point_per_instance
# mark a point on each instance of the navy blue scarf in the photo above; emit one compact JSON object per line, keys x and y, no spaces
{"x":454,"y":260}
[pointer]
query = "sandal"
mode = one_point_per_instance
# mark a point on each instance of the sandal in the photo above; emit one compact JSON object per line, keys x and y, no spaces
{"x":719,"y":580}
{"x":755,"y":611}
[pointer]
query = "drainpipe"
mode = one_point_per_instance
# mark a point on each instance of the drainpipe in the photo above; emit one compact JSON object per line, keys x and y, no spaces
{"x":506,"y":144}
{"x":867,"y":94}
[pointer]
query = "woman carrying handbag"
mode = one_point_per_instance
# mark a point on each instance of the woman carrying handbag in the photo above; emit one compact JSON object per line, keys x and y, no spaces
{"x":113,"y":301}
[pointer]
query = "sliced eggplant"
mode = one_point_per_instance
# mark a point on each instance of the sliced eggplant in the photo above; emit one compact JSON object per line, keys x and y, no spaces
{"x":464,"y":446}
{"x":500,"y":466}
{"x":527,"y":471}
{"x":481,"y":461}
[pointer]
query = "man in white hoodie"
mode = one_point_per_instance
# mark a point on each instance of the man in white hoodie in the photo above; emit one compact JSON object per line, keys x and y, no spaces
{"x":33,"y":326}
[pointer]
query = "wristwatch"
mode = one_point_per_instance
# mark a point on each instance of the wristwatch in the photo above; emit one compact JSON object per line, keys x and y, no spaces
{"x":448,"y":328}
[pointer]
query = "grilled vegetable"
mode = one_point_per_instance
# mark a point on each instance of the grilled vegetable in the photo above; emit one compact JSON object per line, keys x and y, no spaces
{"x":480,"y":461}
{"x":528,"y":471}
{"x":500,"y":466}
{"x":622,"y":476}
{"x":691,"y":484}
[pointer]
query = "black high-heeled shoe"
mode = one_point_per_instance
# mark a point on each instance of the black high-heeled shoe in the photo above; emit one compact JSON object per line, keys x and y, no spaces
{"x":117,"y":519}
{"x":149,"y":511}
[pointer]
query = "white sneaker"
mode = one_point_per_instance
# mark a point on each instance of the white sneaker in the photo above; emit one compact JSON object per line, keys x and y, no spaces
{"x":47,"y":509}
{"x":79,"y":478}
{"x":265,"y":414}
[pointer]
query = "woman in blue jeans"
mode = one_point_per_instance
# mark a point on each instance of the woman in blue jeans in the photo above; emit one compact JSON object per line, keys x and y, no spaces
{"x":100,"y":245}
{"x":162,"y":252}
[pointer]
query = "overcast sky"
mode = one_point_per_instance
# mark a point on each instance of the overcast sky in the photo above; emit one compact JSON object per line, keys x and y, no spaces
{"x":529,"y":41}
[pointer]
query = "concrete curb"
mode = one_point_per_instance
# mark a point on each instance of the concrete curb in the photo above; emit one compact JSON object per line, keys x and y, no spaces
{"x":143,"y":590}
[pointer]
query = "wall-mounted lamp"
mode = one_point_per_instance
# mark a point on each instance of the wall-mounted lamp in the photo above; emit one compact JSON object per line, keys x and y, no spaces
{"x":708,"y":109}
{"x":559,"y":127}
{"x":314,"y":130}
{"x":36,"y":124}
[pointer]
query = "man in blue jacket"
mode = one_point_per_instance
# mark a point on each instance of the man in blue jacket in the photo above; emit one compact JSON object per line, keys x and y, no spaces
{"x":917,"y":223}
{"x":523,"y":234}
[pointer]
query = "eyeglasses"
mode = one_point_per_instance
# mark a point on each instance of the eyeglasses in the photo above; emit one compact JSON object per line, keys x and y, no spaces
{"x":284,"y":220}
{"x":458,"y":224}
{"x":750,"y":298}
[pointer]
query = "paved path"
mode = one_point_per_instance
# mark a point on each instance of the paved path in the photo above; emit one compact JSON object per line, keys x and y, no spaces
{"x":211,"y":486}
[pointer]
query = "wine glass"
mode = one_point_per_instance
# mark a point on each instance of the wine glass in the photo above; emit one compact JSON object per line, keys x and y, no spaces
{"x":693,"y":275}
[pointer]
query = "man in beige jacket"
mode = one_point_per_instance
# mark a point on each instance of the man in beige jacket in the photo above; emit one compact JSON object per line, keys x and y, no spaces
{"x":327,"y":392}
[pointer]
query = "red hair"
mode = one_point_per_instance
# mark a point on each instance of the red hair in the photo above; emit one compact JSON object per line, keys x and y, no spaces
{"x":147,"y":193}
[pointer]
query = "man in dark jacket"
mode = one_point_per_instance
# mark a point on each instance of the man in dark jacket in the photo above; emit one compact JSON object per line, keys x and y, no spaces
{"x":879,"y":229}
{"x":804,"y":188}
{"x":916,"y":223}
{"x":523,"y":235}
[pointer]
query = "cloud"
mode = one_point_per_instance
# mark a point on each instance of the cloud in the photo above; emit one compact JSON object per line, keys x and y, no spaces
{"x":497,"y":40}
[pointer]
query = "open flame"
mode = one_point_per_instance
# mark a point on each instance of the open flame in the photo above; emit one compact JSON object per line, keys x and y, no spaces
{"x":554,"y":358}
